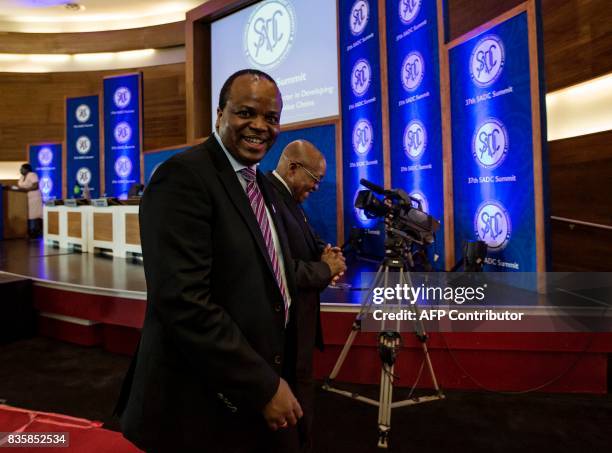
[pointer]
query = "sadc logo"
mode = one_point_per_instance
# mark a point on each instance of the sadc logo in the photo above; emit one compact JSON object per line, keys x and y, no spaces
{"x":82,"y":113}
{"x":83,"y":144}
{"x":487,"y":61}
{"x":45,"y":156}
{"x":362,"y":136}
{"x":46,"y":185}
{"x":360,"y":15}
{"x":123,"y":166}
{"x":122,"y":97}
{"x":122,"y":132}
{"x":492,"y":225}
{"x":83,"y":176}
{"x":408,"y":10}
{"x":361,"y":76}
{"x":490,"y":143}
{"x":269,"y":33}
{"x":415,"y":139}
{"x":413,"y":70}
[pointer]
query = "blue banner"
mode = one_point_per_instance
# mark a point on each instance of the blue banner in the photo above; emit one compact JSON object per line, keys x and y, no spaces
{"x":154,"y":159}
{"x":320,"y":206}
{"x":82,"y":146}
{"x":415,"y":109}
{"x":122,"y":133}
{"x":46,"y":161}
{"x":492,"y":145}
{"x":362,"y":152}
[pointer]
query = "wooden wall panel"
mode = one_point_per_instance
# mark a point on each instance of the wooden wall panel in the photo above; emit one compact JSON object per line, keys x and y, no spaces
{"x":158,"y":36}
{"x":577,"y":35}
{"x":580,"y":248}
{"x":580,"y":178}
{"x":33,"y":106}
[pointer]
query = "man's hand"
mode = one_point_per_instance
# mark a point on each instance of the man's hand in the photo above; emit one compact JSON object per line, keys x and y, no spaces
{"x":283,"y":409}
{"x":332,"y":256}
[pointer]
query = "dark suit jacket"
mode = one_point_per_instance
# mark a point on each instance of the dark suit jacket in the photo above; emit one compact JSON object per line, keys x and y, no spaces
{"x":212,"y":345}
{"x":311,"y":274}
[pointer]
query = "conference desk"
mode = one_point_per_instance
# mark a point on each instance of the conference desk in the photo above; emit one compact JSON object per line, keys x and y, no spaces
{"x":112,"y":229}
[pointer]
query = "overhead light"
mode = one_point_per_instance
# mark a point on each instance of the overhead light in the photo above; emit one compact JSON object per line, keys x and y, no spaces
{"x":135,"y":54}
{"x":580,"y":109}
{"x":100,"y":56}
{"x":48,"y":58}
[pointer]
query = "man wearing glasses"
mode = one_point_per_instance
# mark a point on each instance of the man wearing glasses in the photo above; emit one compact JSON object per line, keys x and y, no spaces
{"x":299,"y":172}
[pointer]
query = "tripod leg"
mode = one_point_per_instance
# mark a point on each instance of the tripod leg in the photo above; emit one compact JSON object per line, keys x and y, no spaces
{"x":388,"y":343}
{"x":421,"y":335}
{"x":345,"y":350}
{"x":356,"y":328}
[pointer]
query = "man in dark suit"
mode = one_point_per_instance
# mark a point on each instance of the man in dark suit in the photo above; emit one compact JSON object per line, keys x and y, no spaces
{"x":299,"y":172}
{"x":208,"y":371}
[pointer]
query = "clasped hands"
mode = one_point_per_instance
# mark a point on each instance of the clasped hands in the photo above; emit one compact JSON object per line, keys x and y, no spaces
{"x":333,"y":257}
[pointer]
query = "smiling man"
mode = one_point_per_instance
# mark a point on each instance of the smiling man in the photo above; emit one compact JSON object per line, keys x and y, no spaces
{"x":208,"y":372}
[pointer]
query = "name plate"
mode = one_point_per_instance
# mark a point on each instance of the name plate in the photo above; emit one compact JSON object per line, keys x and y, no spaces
{"x":99,"y":202}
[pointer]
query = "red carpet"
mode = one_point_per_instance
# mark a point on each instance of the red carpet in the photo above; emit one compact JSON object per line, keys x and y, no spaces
{"x":84,"y":435}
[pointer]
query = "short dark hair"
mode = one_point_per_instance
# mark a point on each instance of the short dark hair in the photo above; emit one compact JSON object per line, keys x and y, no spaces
{"x":227,"y":86}
{"x":27,"y":167}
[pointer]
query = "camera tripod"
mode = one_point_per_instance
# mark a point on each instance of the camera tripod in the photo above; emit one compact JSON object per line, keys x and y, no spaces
{"x":389,"y":343}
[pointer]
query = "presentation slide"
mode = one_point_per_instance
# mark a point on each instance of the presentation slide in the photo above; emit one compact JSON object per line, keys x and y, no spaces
{"x":294,"y":41}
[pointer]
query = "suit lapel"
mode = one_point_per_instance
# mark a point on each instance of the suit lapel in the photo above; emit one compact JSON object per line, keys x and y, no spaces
{"x":237,"y":195}
{"x":296,"y":211}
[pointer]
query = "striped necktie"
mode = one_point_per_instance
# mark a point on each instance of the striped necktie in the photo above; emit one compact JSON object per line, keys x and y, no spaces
{"x":259,"y":208}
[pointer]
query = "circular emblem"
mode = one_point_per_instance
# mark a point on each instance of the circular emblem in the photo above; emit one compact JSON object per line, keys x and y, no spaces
{"x":83,"y":144}
{"x":361,"y":76}
{"x":123,"y":166}
{"x":360,"y":15}
{"x":123,"y":132}
{"x":487,"y":60}
{"x":492,"y":225}
{"x":82,"y":113}
{"x":408,"y":10}
{"x":83,"y":176}
{"x":362,"y":136}
{"x":46,"y":185}
{"x":490,"y":143}
{"x":420,"y":196}
{"x":413,"y":70}
{"x":415,"y":139}
{"x":122,"y":97}
{"x":269,"y":33}
{"x":45,"y":156}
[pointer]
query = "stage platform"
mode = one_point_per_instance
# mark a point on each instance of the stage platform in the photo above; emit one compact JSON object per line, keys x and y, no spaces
{"x":100,"y":301}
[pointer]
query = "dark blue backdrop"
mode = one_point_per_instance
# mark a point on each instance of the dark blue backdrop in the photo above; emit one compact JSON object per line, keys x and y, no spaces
{"x":492,"y":145}
{"x":414,"y":107}
{"x":153,"y":159}
{"x":320,"y":207}
{"x":361,"y":107}
{"x":83,"y":144}
{"x":46,"y":161}
{"x":122,"y":124}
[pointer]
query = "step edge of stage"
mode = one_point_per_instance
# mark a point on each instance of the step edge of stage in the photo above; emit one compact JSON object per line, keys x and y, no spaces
{"x":86,"y":289}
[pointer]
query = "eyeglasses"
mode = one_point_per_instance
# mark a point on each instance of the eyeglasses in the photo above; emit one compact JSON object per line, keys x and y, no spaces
{"x":308,"y":172}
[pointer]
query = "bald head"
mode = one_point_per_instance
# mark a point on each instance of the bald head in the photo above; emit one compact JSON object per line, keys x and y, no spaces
{"x":301,"y":166}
